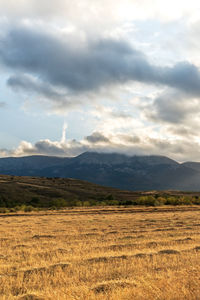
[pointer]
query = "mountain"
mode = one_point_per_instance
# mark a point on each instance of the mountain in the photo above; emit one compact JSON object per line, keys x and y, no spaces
{"x":192,"y":165}
{"x":28,"y":165}
{"x":110,"y":169}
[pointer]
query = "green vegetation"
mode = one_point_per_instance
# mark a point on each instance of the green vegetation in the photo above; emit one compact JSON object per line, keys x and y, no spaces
{"x":30,"y":193}
{"x":165,"y":200}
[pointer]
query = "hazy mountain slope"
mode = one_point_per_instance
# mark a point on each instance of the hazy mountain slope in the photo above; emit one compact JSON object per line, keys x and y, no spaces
{"x":28,"y":165}
{"x":192,"y":165}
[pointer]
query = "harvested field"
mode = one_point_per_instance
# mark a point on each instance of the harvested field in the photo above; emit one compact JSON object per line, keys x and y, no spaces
{"x":101,"y":253}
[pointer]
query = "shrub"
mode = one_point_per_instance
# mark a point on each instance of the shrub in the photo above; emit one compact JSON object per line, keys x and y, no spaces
{"x":110,"y":197}
{"x":58,"y":203}
{"x":17,"y":208}
{"x":3,"y":210}
{"x":86,"y":203}
{"x":171,"y":201}
{"x":28,"y":208}
{"x":2,"y":202}
{"x":161,"y":200}
{"x":147,"y":200}
{"x":113,"y":202}
{"x":13,"y":209}
{"x":102,"y":203}
{"x":184,"y":201}
{"x":35,"y":201}
{"x":78,"y":203}
{"x":196,"y":200}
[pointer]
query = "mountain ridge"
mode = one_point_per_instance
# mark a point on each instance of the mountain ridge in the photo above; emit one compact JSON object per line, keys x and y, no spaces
{"x":150,"y":172}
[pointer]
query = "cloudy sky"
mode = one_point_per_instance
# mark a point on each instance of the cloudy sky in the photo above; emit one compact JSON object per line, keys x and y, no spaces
{"x":100,"y":75}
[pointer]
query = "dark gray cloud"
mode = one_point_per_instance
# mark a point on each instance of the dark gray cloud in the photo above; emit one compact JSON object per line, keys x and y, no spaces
{"x":32,"y":85}
{"x":131,"y":139}
{"x":181,"y":131}
{"x":48,"y":148}
{"x":183,"y":76}
{"x":79,"y":67}
{"x":97,"y":137}
{"x":172,"y":107}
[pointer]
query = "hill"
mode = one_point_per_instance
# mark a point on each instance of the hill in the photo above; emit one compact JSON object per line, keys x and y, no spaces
{"x":45,"y":192}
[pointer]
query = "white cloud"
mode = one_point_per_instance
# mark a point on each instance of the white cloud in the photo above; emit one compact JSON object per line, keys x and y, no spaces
{"x":94,"y":10}
{"x":122,"y":143}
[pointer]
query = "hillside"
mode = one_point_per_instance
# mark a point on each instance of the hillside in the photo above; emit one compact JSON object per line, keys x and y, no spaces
{"x":60,"y":192}
{"x":47,"y":192}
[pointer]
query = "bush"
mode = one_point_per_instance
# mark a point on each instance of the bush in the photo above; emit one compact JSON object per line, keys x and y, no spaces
{"x":2,"y":202}
{"x":196,"y":200}
{"x":13,"y":209}
{"x":102,"y":203}
{"x":161,"y":201}
{"x":113,"y":202}
{"x":184,"y":201}
{"x":58,"y":203}
{"x":110,"y":197}
{"x":78,"y":203}
{"x":171,"y":201}
{"x":86,"y":203}
{"x":28,"y":208}
{"x":148,"y":201}
{"x":35,"y":201}
{"x":3,"y":210}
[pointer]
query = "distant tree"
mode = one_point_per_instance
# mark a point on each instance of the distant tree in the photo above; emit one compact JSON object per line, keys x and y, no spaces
{"x":35,"y":201}
{"x":110,"y":197}
{"x":59,"y":203}
{"x":2,"y":202}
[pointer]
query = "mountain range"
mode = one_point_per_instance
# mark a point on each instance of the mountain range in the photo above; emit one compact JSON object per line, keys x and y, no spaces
{"x":136,"y":173}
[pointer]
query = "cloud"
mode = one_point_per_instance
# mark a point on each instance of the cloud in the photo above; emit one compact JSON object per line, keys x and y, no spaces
{"x":47,"y":147}
{"x":172,"y":107}
{"x":96,"y":138}
{"x":183,"y":76}
{"x":65,"y":71}
{"x":33,"y":85}
{"x":2,"y":104}
{"x":95,"y":10}
{"x":81,"y":67}
{"x":130,"y":139}
{"x":180,"y":130}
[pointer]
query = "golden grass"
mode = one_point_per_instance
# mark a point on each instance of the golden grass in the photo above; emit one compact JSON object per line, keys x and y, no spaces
{"x":101,"y":254}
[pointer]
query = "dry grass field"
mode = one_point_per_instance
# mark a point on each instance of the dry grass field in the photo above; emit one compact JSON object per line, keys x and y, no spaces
{"x":101,"y":253}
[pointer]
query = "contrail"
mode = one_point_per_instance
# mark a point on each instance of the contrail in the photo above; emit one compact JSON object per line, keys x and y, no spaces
{"x":63,"y":139}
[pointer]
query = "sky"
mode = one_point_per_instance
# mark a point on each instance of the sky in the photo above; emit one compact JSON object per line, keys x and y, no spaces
{"x":108,"y":76}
